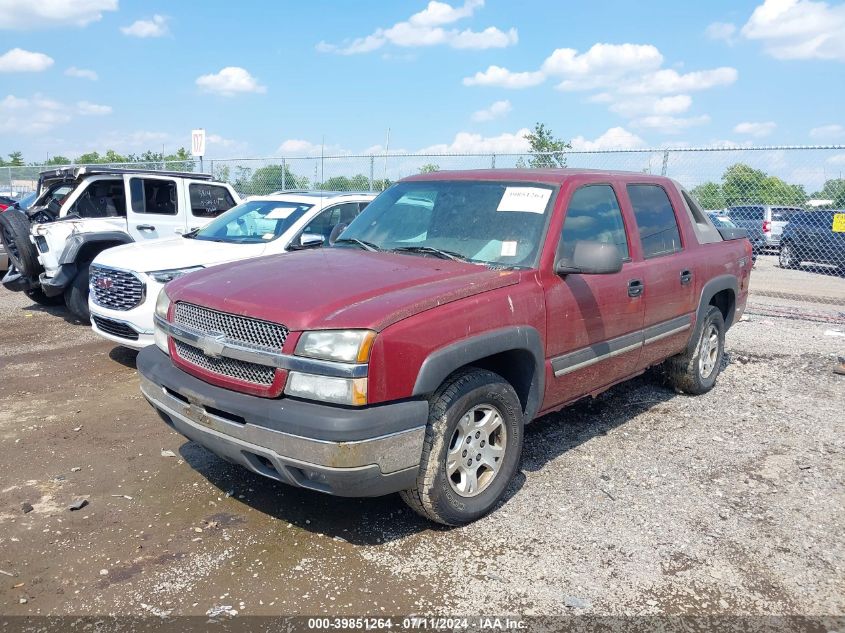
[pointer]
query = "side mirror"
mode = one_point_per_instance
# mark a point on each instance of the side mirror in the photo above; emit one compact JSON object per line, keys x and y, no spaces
{"x":308,"y":240}
{"x":591,"y":258}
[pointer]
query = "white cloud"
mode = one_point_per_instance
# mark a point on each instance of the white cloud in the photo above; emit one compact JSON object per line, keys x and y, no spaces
{"x":799,"y":29}
{"x":602,"y":65}
{"x":504,"y":78}
{"x":828,"y":133}
{"x":298,"y":147}
{"x":669,"y":124}
{"x":469,"y":143}
{"x":18,"y":60}
{"x":650,"y":105}
{"x":425,"y":28}
{"x":671,"y":81}
{"x":154,"y":27}
{"x":838,"y":159}
{"x":496,"y":110}
{"x":755,"y":128}
{"x":37,"y":14}
{"x":92,"y":109}
{"x":34,"y":115}
{"x":721,"y":31}
{"x":230,"y":81}
{"x":614,"y":138}
{"x":81,"y":73}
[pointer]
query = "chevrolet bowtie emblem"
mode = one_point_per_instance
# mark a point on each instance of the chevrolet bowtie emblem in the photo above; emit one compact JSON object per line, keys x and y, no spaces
{"x":213,"y":344}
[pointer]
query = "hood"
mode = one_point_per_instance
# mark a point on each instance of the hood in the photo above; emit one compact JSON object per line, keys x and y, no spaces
{"x":337,"y":287}
{"x":177,"y":252}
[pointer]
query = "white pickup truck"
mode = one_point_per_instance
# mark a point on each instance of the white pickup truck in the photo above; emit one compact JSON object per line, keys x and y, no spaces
{"x":82,"y":211}
{"x":126,"y":280}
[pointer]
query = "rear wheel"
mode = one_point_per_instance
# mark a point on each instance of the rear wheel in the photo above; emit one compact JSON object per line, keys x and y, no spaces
{"x":472,"y":448}
{"x":695,"y":371}
{"x":14,"y":234}
{"x":788,"y":258}
{"x":76,"y":295}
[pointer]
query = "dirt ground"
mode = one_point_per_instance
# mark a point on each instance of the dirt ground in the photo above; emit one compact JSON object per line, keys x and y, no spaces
{"x":642,"y":501}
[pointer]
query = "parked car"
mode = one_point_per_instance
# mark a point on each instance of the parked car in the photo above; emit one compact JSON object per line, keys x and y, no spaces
{"x":81,"y":211}
{"x":456,"y":308}
{"x":766,"y":220}
{"x":126,"y":280}
{"x":6,"y":201}
{"x":814,"y":236}
{"x":721,"y":220}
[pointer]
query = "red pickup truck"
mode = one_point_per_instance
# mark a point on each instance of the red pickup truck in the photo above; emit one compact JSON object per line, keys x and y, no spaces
{"x":455,"y":309}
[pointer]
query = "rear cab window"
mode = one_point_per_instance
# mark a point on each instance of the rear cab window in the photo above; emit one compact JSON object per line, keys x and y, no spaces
{"x":209,"y":201}
{"x":656,"y":221}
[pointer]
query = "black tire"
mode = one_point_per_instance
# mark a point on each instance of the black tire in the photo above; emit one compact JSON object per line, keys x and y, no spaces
{"x":435,"y":496}
{"x":687,"y":371}
{"x":788,"y":256}
{"x":38,"y":296}
{"x":76,"y":295}
{"x":14,"y":233}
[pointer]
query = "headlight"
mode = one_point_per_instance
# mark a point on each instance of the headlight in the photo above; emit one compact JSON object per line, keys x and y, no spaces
{"x":162,"y":307}
{"x":163,"y":276}
{"x":348,"y":346}
{"x":351,"y":391}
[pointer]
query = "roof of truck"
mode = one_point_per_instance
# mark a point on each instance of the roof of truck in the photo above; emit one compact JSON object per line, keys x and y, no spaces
{"x":76,"y":172}
{"x":552,"y":176}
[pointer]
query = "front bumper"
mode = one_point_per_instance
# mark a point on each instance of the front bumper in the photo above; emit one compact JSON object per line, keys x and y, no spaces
{"x":348,"y":452}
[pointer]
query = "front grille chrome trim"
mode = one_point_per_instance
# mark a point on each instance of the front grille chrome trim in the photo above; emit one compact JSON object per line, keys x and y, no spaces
{"x":126,"y":289}
{"x":229,"y":349}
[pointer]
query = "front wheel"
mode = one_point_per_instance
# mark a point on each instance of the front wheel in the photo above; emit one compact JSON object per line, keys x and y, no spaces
{"x":788,"y":258}
{"x":38,"y":296}
{"x":472,"y":448}
{"x":76,"y":295}
{"x":695,"y":371}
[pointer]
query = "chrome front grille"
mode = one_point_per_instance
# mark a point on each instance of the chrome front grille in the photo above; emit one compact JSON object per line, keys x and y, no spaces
{"x":231,"y":368}
{"x":238,"y":329}
{"x":115,"y":289}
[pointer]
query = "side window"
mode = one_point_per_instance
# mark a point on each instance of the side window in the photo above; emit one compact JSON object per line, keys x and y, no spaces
{"x":656,"y":220}
{"x":209,"y":201}
{"x":153,"y":196}
{"x":327,"y":219}
{"x":593,"y":215}
{"x":101,"y":199}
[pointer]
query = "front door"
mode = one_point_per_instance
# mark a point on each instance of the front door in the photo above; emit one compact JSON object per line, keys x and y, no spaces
{"x":594,"y":321}
{"x":154,"y":210}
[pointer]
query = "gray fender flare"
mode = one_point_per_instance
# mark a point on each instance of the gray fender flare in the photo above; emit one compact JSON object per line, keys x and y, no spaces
{"x":710,"y":289}
{"x":442,"y":362}
{"x":76,"y":242}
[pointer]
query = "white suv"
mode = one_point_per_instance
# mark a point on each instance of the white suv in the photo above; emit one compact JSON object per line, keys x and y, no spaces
{"x":126,"y":280}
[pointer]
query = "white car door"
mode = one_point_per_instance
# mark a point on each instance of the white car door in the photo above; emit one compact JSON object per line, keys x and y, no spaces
{"x":153,"y":209}
{"x":205,"y":201}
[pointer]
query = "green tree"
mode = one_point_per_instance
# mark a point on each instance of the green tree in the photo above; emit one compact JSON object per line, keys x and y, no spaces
{"x":742,"y":184}
{"x":709,"y":196}
{"x":358,"y":182}
{"x":15,"y":159}
{"x":833,"y":190}
{"x":58,"y":159}
{"x":270,"y":178}
{"x":429,"y":168}
{"x":547,"y":150}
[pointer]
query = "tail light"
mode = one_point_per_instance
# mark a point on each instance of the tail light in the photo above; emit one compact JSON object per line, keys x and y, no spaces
{"x":767,"y":226}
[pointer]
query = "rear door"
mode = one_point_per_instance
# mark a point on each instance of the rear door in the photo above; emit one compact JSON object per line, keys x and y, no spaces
{"x":154,"y":210}
{"x":593,"y":321}
{"x":670,"y":275}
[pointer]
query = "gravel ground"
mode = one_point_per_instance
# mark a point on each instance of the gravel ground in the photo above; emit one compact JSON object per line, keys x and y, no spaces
{"x":642,"y":501}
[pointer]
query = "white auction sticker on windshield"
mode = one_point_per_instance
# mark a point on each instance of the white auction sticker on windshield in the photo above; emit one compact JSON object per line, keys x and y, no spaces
{"x":508,"y":249}
{"x":525,"y":199}
{"x":268,"y":236}
{"x":280,"y":213}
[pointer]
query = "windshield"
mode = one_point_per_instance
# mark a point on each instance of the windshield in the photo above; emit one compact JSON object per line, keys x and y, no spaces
{"x":483,"y":222}
{"x":252,"y":222}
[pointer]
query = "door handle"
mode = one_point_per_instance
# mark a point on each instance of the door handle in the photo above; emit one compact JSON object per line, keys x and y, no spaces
{"x":145,"y":227}
{"x":635,"y":288}
{"x":686,"y":277}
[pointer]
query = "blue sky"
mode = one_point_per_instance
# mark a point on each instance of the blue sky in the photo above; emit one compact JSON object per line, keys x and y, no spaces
{"x":273,"y":78}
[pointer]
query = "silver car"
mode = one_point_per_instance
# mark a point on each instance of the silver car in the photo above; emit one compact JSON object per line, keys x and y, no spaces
{"x":763,"y":218}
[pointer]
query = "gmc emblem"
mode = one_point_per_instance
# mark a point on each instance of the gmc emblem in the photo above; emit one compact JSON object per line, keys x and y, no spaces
{"x":104,"y":283}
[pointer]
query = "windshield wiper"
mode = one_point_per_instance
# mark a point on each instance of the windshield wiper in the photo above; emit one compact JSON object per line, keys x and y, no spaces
{"x":367,"y":246}
{"x":438,"y":252}
{"x":191,"y":234}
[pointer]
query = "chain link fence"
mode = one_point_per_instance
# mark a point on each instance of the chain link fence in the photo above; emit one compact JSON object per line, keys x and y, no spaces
{"x":790,"y":199}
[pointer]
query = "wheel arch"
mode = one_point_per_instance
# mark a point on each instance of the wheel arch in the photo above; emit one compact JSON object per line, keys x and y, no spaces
{"x":515,"y":353}
{"x":84,"y":247}
{"x":720,"y":292}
